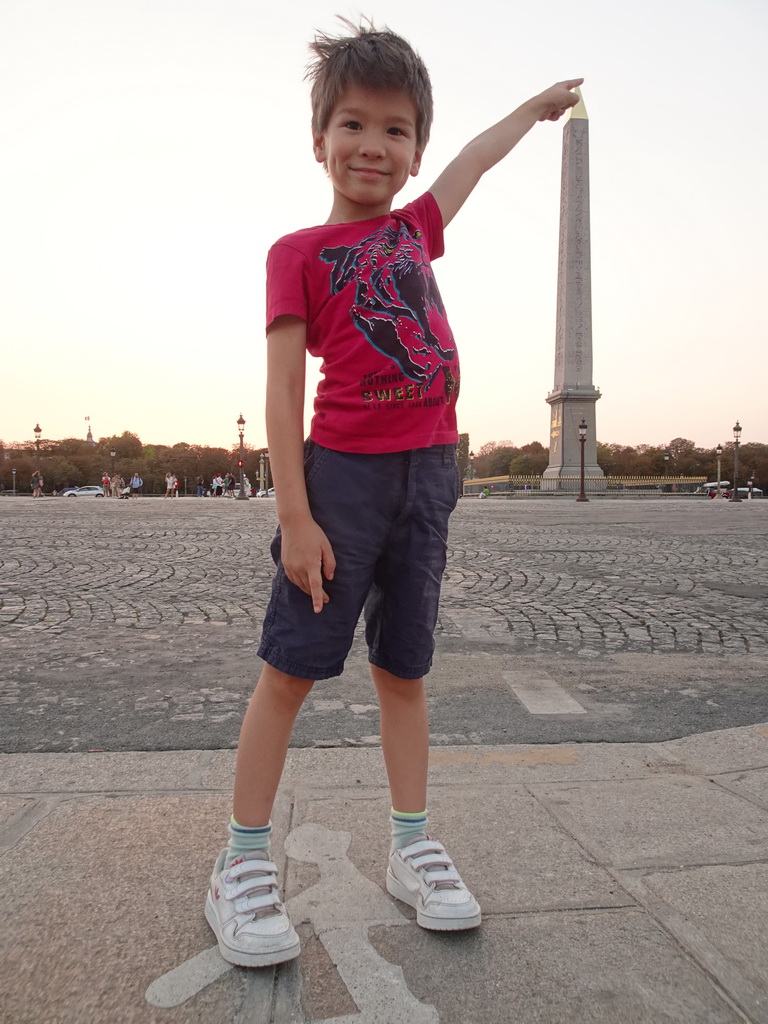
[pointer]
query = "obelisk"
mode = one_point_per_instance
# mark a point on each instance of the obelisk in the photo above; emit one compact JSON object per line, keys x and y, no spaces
{"x":573,"y":397}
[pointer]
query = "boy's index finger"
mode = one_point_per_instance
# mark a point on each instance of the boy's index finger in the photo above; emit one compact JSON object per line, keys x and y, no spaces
{"x":315,"y":581}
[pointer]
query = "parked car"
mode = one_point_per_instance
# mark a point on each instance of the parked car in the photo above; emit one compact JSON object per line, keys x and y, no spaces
{"x":266,"y":494}
{"x":83,"y":492}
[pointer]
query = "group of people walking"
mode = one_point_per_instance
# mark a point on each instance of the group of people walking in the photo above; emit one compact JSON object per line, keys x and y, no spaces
{"x":220,"y":485}
{"x":114,"y":486}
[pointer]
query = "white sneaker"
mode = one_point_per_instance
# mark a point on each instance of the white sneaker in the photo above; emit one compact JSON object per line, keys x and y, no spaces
{"x":246,"y":914}
{"x":423,"y":876}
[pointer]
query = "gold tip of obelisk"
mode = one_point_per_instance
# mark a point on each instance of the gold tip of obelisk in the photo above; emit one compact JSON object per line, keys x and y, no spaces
{"x":579,"y":110}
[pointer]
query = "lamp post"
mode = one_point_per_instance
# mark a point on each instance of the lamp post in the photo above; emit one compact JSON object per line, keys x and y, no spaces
{"x":242,"y":496}
{"x":13,"y":471}
{"x":719,"y":454}
{"x":735,"y":484}
{"x":471,"y":465}
{"x":37,"y":432}
{"x":113,"y":455}
{"x":582,"y":441}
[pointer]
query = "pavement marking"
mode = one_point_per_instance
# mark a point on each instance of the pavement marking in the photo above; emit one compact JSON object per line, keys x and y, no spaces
{"x":541,"y":695}
{"x":189,"y":978}
{"x":377,"y":987}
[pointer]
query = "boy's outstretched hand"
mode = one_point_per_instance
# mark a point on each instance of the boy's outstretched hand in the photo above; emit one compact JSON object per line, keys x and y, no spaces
{"x":557,"y":99}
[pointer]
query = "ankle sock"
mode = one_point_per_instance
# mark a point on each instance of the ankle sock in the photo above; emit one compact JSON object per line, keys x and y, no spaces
{"x":243,"y":839}
{"x":406,"y":827}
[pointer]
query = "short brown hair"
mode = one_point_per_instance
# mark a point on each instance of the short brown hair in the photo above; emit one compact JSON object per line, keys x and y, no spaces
{"x":371,"y":59}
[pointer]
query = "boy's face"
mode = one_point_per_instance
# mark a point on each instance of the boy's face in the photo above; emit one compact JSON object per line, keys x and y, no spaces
{"x":370,"y":149}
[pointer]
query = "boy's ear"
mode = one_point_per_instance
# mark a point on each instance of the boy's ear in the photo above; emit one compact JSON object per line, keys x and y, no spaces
{"x":416,"y":163}
{"x":318,"y":148}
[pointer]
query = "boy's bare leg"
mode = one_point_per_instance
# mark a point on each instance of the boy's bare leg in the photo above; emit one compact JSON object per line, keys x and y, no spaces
{"x":404,"y":738}
{"x":264,"y":738}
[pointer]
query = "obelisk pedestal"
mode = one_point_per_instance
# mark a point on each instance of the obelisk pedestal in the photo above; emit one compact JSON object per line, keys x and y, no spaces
{"x":573,"y":396}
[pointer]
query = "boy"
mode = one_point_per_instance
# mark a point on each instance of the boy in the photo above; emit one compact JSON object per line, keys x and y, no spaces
{"x":363,"y":506}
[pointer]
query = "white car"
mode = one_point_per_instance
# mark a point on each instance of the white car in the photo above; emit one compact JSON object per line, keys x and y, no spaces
{"x":84,"y":492}
{"x":266,"y":494}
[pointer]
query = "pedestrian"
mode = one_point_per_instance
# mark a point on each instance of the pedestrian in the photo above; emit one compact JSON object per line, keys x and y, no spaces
{"x":114,"y":485}
{"x":169,"y":481}
{"x":136,"y":484}
{"x":106,"y":483}
{"x":230,"y":485}
{"x":36,"y":484}
{"x":217,"y":485}
{"x":358,"y":291}
{"x":200,"y":485}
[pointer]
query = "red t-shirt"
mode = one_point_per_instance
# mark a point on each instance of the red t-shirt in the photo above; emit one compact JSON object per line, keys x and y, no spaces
{"x":375,"y":317}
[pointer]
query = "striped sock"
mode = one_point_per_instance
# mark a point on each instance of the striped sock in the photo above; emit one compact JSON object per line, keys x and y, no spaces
{"x":242,"y":840}
{"x":406,"y":827}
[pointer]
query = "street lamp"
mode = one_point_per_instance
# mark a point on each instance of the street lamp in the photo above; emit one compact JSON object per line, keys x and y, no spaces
{"x":37,"y":432}
{"x":735,"y":484}
{"x":242,"y":496}
{"x":113,"y":454}
{"x":471,"y":465}
{"x":666,"y":463}
{"x":719,"y":454}
{"x":13,"y":471}
{"x":582,"y":441}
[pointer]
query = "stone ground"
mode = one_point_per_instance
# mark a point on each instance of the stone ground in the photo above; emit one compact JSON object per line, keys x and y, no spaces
{"x":132,"y":624}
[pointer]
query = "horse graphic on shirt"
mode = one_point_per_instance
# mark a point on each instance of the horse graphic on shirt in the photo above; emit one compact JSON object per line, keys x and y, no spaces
{"x":395,"y":297}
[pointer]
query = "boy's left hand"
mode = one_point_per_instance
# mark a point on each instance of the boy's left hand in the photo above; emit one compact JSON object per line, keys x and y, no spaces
{"x":557,"y":99}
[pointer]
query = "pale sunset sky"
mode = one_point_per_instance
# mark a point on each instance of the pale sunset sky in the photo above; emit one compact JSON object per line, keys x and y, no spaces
{"x":154,"y":149}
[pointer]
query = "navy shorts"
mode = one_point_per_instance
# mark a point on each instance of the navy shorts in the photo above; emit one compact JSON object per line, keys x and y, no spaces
{"x":386,"y":517}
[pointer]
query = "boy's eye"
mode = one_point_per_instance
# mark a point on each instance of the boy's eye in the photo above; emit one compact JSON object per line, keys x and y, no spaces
{"x":395,"y":131}
{"x":354,"y":125}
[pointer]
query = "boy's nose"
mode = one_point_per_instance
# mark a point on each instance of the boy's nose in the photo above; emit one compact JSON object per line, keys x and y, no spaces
{"x":371,"y":145}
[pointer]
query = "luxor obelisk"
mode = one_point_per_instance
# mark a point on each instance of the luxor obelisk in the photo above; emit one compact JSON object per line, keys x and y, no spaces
{"x":573,"y":396}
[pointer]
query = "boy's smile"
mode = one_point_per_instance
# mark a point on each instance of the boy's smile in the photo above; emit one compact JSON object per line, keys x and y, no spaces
{"x":370,"y":149}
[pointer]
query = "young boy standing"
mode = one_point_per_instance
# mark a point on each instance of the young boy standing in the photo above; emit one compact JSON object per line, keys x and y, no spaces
{"x":364,"y":504}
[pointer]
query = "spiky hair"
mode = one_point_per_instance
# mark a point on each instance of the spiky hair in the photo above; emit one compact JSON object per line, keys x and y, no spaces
{"x":372,"y":59}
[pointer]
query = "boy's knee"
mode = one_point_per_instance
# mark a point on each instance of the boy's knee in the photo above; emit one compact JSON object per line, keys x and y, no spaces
{"x":285,"y":686}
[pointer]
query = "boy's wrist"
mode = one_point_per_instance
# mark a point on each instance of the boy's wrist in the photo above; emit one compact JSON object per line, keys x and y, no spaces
{"x":535,"y":106}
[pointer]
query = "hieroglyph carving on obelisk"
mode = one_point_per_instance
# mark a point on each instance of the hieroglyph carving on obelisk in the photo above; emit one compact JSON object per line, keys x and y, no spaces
{"x":573,"y":397}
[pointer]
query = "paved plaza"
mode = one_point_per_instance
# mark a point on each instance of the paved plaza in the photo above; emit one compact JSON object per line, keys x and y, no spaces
{"x":599,"y":772}
{"x":133,"y":624}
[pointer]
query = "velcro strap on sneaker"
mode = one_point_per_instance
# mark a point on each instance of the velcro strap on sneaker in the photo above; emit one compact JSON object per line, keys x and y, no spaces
{"x":449,"y":875}
{"x":428,"y":861}
{"x":251,"y":885}
{"x":421,"y":847}
{"x":248,"y":867}
{"x":254,"y":903}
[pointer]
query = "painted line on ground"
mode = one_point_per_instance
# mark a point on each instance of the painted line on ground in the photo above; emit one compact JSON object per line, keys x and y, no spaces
{"x":541,"y":695}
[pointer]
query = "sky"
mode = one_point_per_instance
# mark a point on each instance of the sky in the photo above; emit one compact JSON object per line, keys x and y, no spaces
{"x":154,"y":149}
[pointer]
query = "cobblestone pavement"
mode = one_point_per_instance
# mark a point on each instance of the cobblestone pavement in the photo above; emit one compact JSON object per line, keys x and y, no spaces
{"x":90,"y":588}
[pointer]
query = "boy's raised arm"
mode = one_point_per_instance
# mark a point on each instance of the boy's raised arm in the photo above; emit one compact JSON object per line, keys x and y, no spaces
{"x":306,"y":553}
{"x":462,"y":174}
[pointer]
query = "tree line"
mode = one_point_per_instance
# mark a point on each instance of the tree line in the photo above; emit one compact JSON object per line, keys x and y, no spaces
{"x":74,"y":462}
{"x":503,"y":458}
